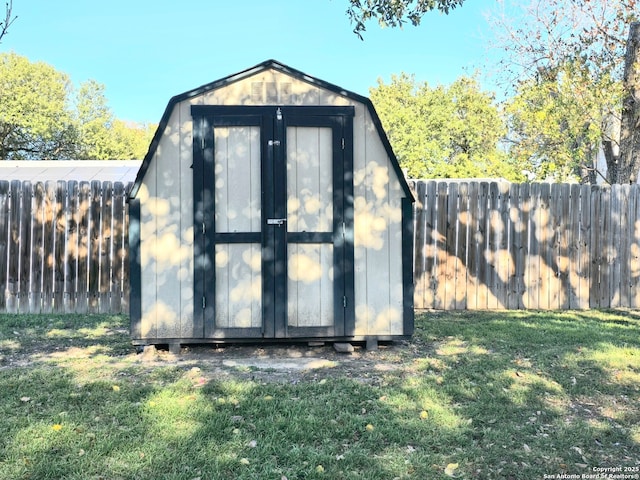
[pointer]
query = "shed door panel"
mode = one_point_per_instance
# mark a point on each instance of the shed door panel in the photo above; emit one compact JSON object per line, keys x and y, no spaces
{"x":310,"y":227}
{"x":238,"y":266}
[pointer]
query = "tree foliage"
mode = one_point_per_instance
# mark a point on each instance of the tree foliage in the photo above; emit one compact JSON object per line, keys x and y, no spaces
{"x":43,"y":117}
{"x":565,"y":62}
{"x":394,"y":13}
{"x":443,"y":132}
{"x":556,"y":122}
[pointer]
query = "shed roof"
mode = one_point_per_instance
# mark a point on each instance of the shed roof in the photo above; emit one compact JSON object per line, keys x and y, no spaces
{"x":80,"y":170}
{"x":266,"y":65}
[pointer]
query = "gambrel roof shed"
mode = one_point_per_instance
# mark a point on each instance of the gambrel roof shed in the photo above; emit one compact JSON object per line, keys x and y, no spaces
{"x":270,"y":206}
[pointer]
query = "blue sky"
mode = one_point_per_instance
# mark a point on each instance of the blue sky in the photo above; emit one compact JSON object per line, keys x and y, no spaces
{"x":146,"y":51}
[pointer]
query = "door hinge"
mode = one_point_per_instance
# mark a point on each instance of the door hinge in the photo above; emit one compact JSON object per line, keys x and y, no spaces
{"x":344,"y":302}
{"x":204,"y":228}
{"x":202,"y":143}
{"x":344,"y":230}
{"x":204,"y":302}
{"x":343,"y":143}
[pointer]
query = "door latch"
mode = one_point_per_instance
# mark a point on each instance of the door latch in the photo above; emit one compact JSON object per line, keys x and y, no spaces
{"x":274,"y":142}
{"x":276,"y":221}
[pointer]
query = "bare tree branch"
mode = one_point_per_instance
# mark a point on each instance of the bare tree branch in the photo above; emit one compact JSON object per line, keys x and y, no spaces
{"x":8,"y":19}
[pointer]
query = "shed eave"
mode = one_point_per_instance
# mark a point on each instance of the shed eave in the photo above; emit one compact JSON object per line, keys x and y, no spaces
{"x":266,"y":65}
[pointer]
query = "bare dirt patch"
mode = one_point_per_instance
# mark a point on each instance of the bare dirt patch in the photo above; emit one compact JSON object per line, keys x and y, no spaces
{"x":283,"y":363}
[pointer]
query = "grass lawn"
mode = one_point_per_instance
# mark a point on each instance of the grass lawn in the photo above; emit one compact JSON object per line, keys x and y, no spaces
{"x":474,"y":395}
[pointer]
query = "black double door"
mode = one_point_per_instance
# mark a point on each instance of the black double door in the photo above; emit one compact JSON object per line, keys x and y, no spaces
{"x":273,"y":228}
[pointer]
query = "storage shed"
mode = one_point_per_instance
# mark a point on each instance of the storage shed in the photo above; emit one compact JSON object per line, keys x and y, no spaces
{"x":269,"y":207}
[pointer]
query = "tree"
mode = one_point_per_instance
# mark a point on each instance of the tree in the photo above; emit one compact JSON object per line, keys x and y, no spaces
{"x":36,"y":121}
{"x":101,"y":136}
{"x":8,"y":19}
{"x":394,"y":13}
{"x":43,"y":117}
{"x":443,"y":132}
{"x":625,"y":167}
{"x":556,"y":122}
{"x":553,"y":43}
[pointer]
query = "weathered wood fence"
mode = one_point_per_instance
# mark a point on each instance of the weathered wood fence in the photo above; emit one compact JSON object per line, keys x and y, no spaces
{"x":492,"y":245}
{"x":478,"y":245}
{"x":63,"y":247}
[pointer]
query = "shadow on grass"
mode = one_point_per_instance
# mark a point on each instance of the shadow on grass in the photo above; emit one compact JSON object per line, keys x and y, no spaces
{"x":558,"y":391}
{"x":491,"y":395}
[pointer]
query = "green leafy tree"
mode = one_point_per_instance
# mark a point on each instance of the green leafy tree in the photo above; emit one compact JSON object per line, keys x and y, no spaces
{"x":394,"y":13}
{"x":36,"y":120}
{"x":443,"y":132}
{"x":42,"y":117}
{"x":565,"y":62}
{"x":557,"y":121}
{"x":101,"y":135}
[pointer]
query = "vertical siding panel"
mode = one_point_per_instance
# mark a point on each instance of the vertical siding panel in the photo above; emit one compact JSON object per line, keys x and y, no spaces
{"x":361,"y":124}
{"x":186,"y":221}
{"x":473,"y":247}
{"x":148,"y":248}
{"x":378,"y":256}
{"x":450,"y":261}
{"x":168,"y":254}
{"x":463,"y":247}
{"x":483,"y":246}
{"x":395,"y":227}
{"x":4,"y":239}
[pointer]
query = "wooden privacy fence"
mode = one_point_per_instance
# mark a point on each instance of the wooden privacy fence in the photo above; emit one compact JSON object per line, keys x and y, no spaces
{"x":478,"y":245}
{"x":494,"y":245}
{"x":63,"y":247}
